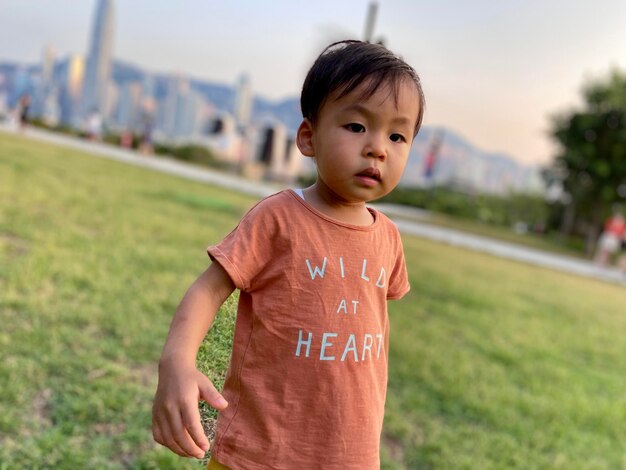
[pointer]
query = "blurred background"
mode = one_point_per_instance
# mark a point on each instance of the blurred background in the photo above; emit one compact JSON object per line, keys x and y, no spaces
{"x":218,"y":82}
{"x":493,"y":363}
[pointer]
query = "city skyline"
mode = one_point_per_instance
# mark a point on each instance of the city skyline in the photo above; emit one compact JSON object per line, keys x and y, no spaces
{"x":493,"y":73}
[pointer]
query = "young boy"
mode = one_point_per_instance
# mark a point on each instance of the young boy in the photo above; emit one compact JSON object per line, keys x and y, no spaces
{"x":308,"y":374}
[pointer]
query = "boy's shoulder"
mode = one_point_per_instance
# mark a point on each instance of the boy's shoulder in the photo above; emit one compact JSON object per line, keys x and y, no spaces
{"x":272,"y":215}
{"x":272,"y":205}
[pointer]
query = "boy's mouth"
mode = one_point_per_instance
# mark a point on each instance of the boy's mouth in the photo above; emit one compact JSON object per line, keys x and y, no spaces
{"x":371,"y":174}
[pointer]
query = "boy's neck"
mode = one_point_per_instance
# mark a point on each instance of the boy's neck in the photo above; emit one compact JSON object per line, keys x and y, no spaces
{"x":324,"y":200}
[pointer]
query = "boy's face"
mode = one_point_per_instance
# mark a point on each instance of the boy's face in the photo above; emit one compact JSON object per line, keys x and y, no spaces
{"x":361,"y":146}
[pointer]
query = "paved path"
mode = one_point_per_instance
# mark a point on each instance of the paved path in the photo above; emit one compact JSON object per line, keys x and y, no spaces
{"x":409,"y":220}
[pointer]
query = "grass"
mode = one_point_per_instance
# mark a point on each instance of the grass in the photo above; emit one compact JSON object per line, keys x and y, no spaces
{"x":94,"y":257}
{"x":493,"y":364}
{"x":499,"y":365}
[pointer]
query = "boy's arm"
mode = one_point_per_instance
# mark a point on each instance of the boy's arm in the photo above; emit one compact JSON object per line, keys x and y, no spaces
{"x":175,"y":416}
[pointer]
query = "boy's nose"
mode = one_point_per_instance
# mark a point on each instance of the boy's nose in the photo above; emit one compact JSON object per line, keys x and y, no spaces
{"x":375,"y":148}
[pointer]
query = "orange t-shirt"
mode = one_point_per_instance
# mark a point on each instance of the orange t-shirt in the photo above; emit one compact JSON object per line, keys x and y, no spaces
{"x":308,"y":374}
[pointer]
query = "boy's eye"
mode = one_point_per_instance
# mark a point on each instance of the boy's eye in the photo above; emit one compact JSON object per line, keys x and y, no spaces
{"x":354,"y":127}
{"x":397,"y":138}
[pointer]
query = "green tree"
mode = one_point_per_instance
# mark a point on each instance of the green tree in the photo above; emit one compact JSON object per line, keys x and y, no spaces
{"x":592,"y":155}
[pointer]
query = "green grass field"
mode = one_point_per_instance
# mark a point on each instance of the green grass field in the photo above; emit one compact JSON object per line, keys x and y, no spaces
{"x":493,"y":364}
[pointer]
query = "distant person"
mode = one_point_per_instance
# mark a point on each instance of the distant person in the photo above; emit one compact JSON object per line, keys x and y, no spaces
{"x":23,"y":110}
{"x":610,"y":241}
{"x":315,"y":267}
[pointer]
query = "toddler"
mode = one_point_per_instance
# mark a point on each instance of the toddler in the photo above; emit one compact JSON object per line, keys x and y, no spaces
{"x":307,"y":380}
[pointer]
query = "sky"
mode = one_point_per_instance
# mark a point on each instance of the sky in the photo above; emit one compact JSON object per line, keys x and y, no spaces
{"x":494,"y":71}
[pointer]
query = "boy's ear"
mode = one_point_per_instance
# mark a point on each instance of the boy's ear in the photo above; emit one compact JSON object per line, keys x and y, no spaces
{"x":304,"y":138}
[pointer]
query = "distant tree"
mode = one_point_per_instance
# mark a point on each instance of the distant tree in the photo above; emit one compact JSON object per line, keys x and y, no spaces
{"x":592,"y":155}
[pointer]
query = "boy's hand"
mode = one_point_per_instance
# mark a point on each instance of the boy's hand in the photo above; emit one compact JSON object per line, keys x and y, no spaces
{"x":175,"y":417}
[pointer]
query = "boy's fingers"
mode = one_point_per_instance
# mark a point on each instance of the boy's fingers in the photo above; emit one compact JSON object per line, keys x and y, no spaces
{"x":163,"y":436}
{"x":157,"y":434}
{"x":209,"y":394}
{"x":174,"y":447}
{"x":182,"y":437}
{"x":193,"y":425}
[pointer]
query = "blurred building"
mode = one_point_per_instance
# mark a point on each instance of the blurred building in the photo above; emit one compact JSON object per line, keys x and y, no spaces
{"x":20,"y":85}
{"x":4,"y":97}
{"x":181,"y":114}
{"x":221,"y":136}
{"x":148,"y":96}
{"x":278,"y":153}
{"x":44,"y":89}
{"x":71,"y":91}
{"x":98,"y":70}
{"x":51,"y":111}
{"x":48,"y":58}
{"x":243,"y":102}
{"x":128,"y":110}
{"x":147,"y":108}
{"x":111,"y":98}
{"x":166,"y":118}
{"x":188,"y":114}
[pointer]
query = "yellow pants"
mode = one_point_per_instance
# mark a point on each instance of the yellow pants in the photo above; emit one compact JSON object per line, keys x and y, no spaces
{"x":215,"y":465}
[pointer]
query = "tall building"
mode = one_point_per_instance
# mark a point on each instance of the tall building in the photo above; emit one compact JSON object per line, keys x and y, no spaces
{"x":98,"y":71}
{"x":243,"y":101}
{"x":48,"y":58}
{"x":44,"y":87}
{"x":71,"y":91}
{"x":175,"y":86}
{"x":20,"y":85}
{"x":188,"y":114}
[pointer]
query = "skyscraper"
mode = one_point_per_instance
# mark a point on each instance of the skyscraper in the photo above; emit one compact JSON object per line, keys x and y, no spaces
{"x":47,"y":67}
{"x":45,"y":83}
{"x":71,"y":91}
{"x":243,"y":101}
{"x":98,"y":69}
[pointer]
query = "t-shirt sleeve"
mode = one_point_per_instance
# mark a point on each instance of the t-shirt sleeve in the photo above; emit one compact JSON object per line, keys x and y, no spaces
{"x":247,"y":250}
{"x":398,"y":280}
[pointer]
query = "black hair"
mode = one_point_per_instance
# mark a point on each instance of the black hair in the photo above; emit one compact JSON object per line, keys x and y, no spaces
{"x":345,"y":65}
